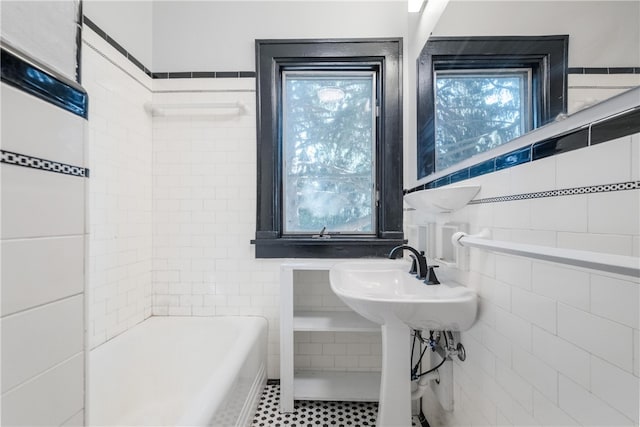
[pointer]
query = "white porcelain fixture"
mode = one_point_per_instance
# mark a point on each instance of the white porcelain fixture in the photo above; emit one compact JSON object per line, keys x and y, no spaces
{"x":180,"y":371}
{"x":384,"y":292}
{"x":442,"y":199}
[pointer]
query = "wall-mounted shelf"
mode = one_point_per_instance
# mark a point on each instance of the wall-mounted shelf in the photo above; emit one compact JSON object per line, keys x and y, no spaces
{"x":444,"y":199}
{"x":332,"y":321}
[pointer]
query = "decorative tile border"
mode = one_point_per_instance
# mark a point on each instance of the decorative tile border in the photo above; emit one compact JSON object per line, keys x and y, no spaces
{"x":608,"y":129}
{"x":164,"y":75}
{"x":605,"y":188}
{"x":603,"y":70}
{"x":17,"y":159}
{"x":55,"y":89}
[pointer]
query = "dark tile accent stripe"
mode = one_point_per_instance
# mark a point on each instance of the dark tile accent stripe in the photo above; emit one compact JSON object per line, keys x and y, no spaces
{"x":164,"y":75}
{"x":603,"y":70}
{"x":460,"y":175}
{"x":522,"y":155}
{"x":605,"y":188}
{"x":561,"y":144}
{"x":616,"y":127}
{"x":27,"y":77}
{"x":17,"y":159}
{"x":627,"y":123}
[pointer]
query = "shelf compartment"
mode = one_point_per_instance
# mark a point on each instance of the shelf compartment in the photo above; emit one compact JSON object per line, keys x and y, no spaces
{"x":337,"y":385}
{"x":332,"y":321}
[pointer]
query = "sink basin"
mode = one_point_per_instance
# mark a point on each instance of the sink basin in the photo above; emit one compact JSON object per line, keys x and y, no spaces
{"x":383,"y":290}
{"x":442,"y":199}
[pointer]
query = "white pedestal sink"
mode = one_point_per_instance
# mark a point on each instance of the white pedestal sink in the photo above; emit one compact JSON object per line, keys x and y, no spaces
{"x":384,"y":292}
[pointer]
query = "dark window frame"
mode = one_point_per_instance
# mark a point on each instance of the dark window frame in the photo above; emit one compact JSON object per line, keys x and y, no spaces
{"x":275,"y":56}
{"x":547,"y":56}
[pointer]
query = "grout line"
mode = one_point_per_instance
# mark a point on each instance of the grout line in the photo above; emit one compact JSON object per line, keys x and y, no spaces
{"x":40,"y":374}
{"x":55,"y":301}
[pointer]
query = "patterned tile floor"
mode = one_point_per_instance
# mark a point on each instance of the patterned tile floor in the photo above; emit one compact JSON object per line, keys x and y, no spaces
{"x":314,"y":413}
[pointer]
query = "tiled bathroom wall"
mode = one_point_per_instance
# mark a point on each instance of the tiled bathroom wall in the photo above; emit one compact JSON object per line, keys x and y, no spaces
{"x":204,"y":208}
{"x":120,"y":155}
{"x":43,"y":232}
{"x":324,"y":350}
{"x":47,"y":30}
{"x":553,"y":345}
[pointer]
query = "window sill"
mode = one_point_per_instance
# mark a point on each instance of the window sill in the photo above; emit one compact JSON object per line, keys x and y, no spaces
{"x":335,"y":247}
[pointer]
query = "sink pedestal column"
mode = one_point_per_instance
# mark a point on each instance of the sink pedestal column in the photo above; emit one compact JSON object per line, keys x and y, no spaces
{"x":395,"y":387}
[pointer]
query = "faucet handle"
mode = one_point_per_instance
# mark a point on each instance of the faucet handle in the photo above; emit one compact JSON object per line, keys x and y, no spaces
{"x":431,"y":276}
{"x":414,"y":265}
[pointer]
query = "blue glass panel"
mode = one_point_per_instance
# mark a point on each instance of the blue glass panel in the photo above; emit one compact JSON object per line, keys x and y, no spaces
{"x":460,"y":175}
{"x":445,"y":180}
{"x":482,"y":168}
{"x":523,"y":155}
{"x":28,"y":78}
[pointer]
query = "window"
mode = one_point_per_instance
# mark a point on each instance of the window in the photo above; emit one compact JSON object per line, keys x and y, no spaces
{"x":329,"y":152}
{"x":477,"y":93}
{"x":329,"y":148}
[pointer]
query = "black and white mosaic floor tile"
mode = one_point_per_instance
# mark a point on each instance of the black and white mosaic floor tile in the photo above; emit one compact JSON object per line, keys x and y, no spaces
{"x":314,"y":413}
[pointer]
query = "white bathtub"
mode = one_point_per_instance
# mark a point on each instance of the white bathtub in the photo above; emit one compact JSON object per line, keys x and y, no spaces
{"x":180,"y":371}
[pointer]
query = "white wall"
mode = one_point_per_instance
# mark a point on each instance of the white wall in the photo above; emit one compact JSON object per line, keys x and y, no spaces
{"x":553,"y":345}
{"x":219,"y":35}
{"x":203,"y":167}
{"x":542,"y":351}
{"x":43,"y":231}
{"x":44,"y":29}
{"x":120,"y":159}
{"x":127,"y":22}
{"x":601,"y":34}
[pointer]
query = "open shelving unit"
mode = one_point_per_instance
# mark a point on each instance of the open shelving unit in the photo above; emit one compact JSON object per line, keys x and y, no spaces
{"x":318,"y":385}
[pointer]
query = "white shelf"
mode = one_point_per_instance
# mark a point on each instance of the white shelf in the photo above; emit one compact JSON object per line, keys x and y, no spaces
{"x":337,"y":385}
{"x":336,"y":321}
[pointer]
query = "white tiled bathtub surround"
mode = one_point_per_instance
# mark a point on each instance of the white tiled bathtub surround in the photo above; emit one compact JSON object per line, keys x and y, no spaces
{"x":120,"y":158}
{"x":43,"y":259}
{"x":553,"y":345}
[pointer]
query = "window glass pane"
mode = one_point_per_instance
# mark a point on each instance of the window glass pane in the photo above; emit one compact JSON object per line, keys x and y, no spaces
{"x":479,"y":110}
{"x":328,"y":152}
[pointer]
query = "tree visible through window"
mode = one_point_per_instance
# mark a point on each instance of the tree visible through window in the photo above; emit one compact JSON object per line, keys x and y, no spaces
{"x":329,"y":142}
{"x":329,"y":152}
{"x":476,"y":93}
{"x":477,"y":110}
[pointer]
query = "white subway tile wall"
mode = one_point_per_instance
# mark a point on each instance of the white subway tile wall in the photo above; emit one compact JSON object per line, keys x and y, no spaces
{"x":204,"y":210}
{"x":120,"y":159}
{"x":43,"y":259}
{"x":526,"y":362}
{"x":553,"y":345}
{"x":324,"y":350}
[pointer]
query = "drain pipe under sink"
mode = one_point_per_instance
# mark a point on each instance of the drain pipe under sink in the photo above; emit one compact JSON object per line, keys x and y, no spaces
{"x":423,"y":383}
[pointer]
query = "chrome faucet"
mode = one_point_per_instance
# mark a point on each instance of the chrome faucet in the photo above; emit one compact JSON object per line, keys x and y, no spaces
{"x":417,"y":256}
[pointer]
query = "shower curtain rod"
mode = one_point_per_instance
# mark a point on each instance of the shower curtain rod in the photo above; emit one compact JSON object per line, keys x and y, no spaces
{"x":619,"y":264}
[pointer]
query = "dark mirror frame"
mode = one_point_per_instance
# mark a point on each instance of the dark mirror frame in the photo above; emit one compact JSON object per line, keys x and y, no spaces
{"x":547,"y":56}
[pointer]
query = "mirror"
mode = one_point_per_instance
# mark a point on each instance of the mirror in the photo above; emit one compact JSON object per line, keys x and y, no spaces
{"x":494,"y":70}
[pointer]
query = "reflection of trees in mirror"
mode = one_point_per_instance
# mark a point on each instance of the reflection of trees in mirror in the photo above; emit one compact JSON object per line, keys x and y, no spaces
{"x":475,"y":113}
{"x":328,"y":154}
